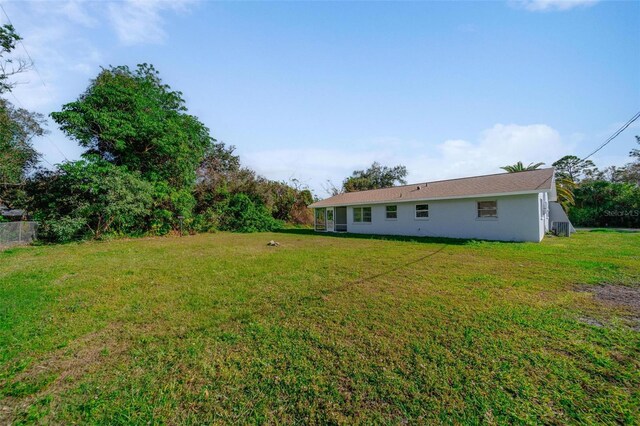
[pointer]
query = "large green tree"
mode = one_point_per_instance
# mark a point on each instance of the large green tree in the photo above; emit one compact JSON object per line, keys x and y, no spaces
{"x":131,"y":118}
{"x":574,"y":168}
{"x":375,"y":177}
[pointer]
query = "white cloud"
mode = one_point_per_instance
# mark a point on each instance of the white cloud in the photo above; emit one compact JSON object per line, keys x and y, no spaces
{"x":498,"y":146}
{"x":554,"y":5}
{"x":75,"y":11}
{"x":58,"y":57}
{"x":141,"y":21}
{"x":495,"y":147}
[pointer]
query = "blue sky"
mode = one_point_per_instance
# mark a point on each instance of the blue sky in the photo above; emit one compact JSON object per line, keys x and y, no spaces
{"x":314,"y":90}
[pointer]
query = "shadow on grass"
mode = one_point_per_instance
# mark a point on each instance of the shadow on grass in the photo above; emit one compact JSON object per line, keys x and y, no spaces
{"x":428,"y":240}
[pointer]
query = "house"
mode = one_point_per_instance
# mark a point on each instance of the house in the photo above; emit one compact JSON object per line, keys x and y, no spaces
{"x":507,"y":207}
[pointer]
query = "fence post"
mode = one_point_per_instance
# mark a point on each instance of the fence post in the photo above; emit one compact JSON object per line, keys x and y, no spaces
{"x":20,"y":231}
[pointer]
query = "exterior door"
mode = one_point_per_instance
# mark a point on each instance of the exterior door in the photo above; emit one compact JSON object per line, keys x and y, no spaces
{"x":340,"y":221}
{"x":330,"y":220}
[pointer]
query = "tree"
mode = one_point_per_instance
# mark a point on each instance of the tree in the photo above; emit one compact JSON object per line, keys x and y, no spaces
{"x":375,"y":177}
{"x":602,"y":203}
{"x":218,"y":161}
{"x":130,"y":118}
{"x":564,"y":191}
{"x":214,"y":174}
{"x":17,"y":129}
{"x":564,"y":184}
{"x":331,"y":188}
{"x":220,"y":177}
{"x":635,"y":152}
{"x":17,"y":126}
{"x":10,"y":66}
{"x":631,"y":171}
{"x":519,"y":167}
{"x":574,"y":168}
{"x":89,"y":198}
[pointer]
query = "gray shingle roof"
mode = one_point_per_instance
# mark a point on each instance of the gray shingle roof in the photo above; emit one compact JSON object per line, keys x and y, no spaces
{"x":503,"y":183}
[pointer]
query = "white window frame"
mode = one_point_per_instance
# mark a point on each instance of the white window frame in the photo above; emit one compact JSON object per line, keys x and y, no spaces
{"x":415,"y":212}
{"x":386,"y":212}
{"x":478,"y":209}
{"x":362,"y":209}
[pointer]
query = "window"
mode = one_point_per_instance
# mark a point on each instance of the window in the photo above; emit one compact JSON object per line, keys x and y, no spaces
{"x":487,"y":209}
{"x":330,"y":215}
{"x":422,"y":211}
{"x":392,"y":212}
{"x":362,"y":214}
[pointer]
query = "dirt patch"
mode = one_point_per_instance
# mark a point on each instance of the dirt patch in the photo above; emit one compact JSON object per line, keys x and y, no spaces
{"x":625,"y":297}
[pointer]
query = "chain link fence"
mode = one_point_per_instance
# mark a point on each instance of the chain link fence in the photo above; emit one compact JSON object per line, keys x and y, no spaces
{"x":12,"y":233}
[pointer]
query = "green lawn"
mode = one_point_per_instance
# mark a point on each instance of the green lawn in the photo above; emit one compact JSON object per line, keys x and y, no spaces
{"x":221,"y":328}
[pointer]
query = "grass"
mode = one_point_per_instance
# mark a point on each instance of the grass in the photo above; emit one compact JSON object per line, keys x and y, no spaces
{"x":220,"y":328}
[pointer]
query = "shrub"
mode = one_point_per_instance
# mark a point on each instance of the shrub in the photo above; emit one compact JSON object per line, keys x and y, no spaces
{"x":241,"y":214}
{"x":89,"y":198}
{"x":208,"y":221}
{"x":602,"y":203}
{"x":62,"y":230}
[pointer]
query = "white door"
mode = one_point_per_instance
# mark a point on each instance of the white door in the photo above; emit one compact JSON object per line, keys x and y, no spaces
{"x":330,"y":219}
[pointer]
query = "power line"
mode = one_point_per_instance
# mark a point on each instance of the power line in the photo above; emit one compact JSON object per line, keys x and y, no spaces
{"x":56,"y":147}
{"x":17,"y":100}
{"x":25,"y":49}
{"x":46,"y":136}
{"x":43,"y":83}
{"x":615,"y":134}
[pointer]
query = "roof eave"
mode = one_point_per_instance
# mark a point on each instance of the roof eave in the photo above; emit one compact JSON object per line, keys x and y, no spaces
{"x":410,"y":200}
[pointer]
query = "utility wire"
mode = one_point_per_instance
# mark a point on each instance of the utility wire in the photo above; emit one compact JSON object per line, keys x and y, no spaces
{"x":615,"y":134}
{"x":43,"y":83}
{"x":46,"y":136}
{"x":25,"y":49}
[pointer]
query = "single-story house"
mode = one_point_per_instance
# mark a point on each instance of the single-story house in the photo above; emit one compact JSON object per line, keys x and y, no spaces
{"x":506,"y":206}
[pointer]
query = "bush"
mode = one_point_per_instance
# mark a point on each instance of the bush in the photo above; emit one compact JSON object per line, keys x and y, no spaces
{"x":88,"y":199}
{"x":208,"y":221}
{"x":241,"y":214}
{"x":602,"y":203}
{"x":62,"y":230}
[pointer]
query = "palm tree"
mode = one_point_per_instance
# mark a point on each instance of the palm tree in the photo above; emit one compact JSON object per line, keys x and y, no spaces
{"x":564,"y":184}
{"x":519,"y":167}
{"x":564,"y":190}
